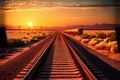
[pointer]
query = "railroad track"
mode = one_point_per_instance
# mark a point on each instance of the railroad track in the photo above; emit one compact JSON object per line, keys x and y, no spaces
{"x":100,"y":69}
{"x":59,"y":61}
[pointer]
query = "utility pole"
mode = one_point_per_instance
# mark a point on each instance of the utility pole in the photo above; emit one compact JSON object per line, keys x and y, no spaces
{"x":29,"y":29}
{"x":19,"y":29}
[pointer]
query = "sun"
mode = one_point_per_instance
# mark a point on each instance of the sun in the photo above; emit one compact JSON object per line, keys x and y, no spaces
{"x":30,"y":24}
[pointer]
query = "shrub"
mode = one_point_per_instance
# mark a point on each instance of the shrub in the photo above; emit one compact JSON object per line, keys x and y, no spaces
{"x":85,"y":40}
{"x":93,"y":42}
{"x":111,"y":44}
{"x":15,"y":43}
{"x":100,"y":46}
{"x":26,"y":41}
{"x":114,"y":49}
{"x":112,"y":36}
{"x":88,"y":36}
{"x":92,"y":36}
{"x":101,"y":35}
{"x":25,"y":37}
{"x":106,"y":40}
{"x":78,"y":38}
{"x":34,"y":39}
{"x":85,"y":36}
{"x":41,"y":36}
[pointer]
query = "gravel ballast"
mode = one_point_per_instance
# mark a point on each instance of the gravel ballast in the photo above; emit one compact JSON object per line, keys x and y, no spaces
{"x":10,"y":69}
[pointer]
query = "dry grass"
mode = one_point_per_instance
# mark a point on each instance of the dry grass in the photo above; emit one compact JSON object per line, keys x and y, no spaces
{"x":85,"y":40}
{"x":93,"y":42}
{"x":114,"y":49}
{"x":16,"y":39}
{"x":111,"y":44}
{"x":100,"y":40}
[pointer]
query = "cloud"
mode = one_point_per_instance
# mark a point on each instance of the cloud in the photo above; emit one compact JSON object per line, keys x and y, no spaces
{"x":37,"y":4}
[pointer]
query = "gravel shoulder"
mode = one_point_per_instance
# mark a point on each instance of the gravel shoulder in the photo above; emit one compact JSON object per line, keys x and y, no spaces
{"x":12,"y":64}
{"x":109,"y":58}
{"x":106,"y":56}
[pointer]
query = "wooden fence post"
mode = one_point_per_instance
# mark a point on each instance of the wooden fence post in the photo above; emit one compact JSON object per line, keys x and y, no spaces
{"x":117,"y":31}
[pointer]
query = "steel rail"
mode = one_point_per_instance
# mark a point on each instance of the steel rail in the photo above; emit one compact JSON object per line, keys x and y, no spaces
{"x":88,"y":73}
{"x":31,"y":71}
{"x":99,"y":68}
{"x":85,"y":70}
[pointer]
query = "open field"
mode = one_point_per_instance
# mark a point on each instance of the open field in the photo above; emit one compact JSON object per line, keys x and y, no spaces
{"x":104,"y":48}
{"x":99,"y":39}
{"x":19,"y":34}
{"x":18,"y":38}
{"x":98,"y":31}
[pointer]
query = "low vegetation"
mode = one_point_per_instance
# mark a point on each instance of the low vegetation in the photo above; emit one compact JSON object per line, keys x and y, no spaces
{"x":24,"y":41}
{"x":15,"y":43}
{"x":100,"y":40}
{"x":85,"y":40}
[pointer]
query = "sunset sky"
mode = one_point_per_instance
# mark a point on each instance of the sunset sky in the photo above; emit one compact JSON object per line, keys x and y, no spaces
{"x":58,"y":12}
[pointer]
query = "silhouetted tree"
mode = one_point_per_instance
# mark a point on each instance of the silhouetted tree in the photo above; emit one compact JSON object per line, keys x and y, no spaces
{"x":80,"y":31}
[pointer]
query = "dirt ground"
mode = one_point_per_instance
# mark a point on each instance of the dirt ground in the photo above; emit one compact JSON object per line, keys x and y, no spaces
{"x":112,"y":59}
{"x":18,"y":51}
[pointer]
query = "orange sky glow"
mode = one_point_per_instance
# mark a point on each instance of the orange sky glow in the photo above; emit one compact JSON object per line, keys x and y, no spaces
{"x":58,"y":16}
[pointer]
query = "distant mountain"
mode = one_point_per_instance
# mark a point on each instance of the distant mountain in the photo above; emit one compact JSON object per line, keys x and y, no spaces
{"x":96,"y":26}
